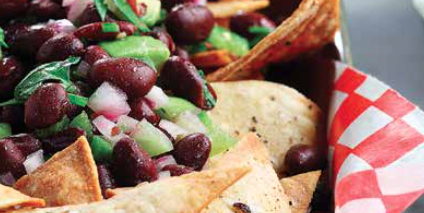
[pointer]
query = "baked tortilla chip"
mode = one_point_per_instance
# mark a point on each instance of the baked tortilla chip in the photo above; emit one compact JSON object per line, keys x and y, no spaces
{"x":260,"y":190}
{"x":185,"y":194}
{"x":226,"y":9}
{"x":10,"y":198}
{"x":311,"y":26}
{"x":300,"y":190}
{"x":280,"y":115}
{"x":69,"y":177}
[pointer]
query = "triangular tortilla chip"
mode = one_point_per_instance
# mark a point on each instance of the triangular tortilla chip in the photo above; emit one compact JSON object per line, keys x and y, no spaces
{"x":280,"y":115}
{"x":300,"y":190}
{"x":226,"y":9}
{"x":185,"y":194}
{"x":10,"y":198}
{"x":260,"y":190}
{"x":311,"y":26}
{"x":69,"y":177}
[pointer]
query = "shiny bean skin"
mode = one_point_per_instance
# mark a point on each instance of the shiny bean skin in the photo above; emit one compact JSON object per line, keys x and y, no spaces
{"x":27,"y":40}
{"x":94,"y":31}
{"x":12,"y":8}
{"x":13,"y":115}
{"x":90,"y":15}
{"x":132,"y":165}
{"x":182,"y":78}
{"x":178,"y":170}
{"x":193,"y":151}
{"x":11,"y":159}
{"x":59,"y":48}
{"x":95,"y":53}
{"x":26,"y":143}
{"x":169,"y":4}
{"x":189,"y":23}
{"x":44,"y":10}
{"x":133,"y":76}
{"x":106,"y":179}
{"x":303,"y":158}
{"x":61,"y":140}
{"x":140,"y":110}
{"x":11,"y":73}
{"x":241,"y":23}
{"x":46,"y":106}
{"x":179,"y":51}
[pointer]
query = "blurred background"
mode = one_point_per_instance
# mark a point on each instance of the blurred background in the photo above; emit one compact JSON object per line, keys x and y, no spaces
{"x":387,"y":41}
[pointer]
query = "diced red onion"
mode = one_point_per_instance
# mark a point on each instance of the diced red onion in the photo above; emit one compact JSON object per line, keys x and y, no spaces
{"x":109,"y":101}
{"x":7,"y":179}
{"x":173,"y":129}
{"x":157,"y":97}
{"x":200,"y":2}
{"x":164,"y":174}
{"x":33,"y":161}
{"x":76,"y":9}
{"x":61,"y":26}
{"x":67,"y":3}
{"x":165,"y":161}
{"x":127,"y":124}
{"x":106,"y":127}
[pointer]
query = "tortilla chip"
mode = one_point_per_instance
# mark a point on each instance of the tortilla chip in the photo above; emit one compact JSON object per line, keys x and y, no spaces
{"x":260,"y":190}
{"x":69,"y":177}
{"x":10,"y":198}
{"x":311,"y":26}
{"x":226,"y":9}
{"x":185,"y":194}
{"x":211,"y":59}
{"x":280,"y":115}
{"x":300,"y":190}
{"x":112,"y":192}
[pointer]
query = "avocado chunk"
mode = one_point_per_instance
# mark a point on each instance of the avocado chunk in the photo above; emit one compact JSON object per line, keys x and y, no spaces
{"x":144,"y":48}
{"x":175,"y":107}
{"x":221,"y":140}
{"x":151,"y":139}
{"x":221,"y":38}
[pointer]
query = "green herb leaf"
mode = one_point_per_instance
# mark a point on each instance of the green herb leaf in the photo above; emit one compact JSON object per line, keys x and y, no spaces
{"x":78,"y":100}
{"x":210,"y":100}
{"x":55,"y":71}
{"x":2,"y":42}
{"x":11,"y":102}
{"x":101,"y":8}
{"x":261,"y":32}
{"x":129,"y":14}
{"x":110,"y":28}
{"x":197,"y":48}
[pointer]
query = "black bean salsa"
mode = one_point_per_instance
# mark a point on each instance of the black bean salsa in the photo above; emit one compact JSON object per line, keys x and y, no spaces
{"x":119,"y":73}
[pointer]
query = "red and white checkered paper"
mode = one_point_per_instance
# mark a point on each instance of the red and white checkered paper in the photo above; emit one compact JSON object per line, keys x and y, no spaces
{"x":376,"y":145}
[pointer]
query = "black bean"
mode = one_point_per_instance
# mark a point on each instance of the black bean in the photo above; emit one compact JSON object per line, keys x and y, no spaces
{"x":61,"y":140}
{"x":133,"y":76}
{"x":59,"y":48}
{"x":94,"y":31}
{"x":46,"y":106}
{"x":241,"y":23}
{"x":44,"y":10}
{"x":140,"y":109}
{"x":27,"y":143}
{"x":106,"y":179}
{"x":178,"y":170}
{"x":12,"y":8}
{"x":304,"y":158}
{"x":189,"y":23}
{"x":193,"y":151}
{"x":11,"y":73}
{"x":12,"y":159}
{"x":26,"y":41}
{"x":132,"y":165}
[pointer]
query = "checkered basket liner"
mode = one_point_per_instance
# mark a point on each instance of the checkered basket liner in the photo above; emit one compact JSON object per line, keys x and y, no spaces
{"x":376,"y":145}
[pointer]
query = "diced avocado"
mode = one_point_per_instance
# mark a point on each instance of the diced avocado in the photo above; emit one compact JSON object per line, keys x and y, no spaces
{"x":102,"y":149}
{"x":152,"y":13}
{"x":175,"y":107}
{"x":190,"y":122}
{"x":53,"y":129}
{"x":83,"y":122}
{"x":151,"y":139}
{"x":221,"y":38}
{"x":221,"y":140}
{"x":139,"y":47}
{"x":5,"y":130}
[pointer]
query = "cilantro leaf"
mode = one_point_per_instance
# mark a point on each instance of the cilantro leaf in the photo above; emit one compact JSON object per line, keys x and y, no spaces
{"x":2,"y":42}
{"x":110,"y":28}
{"x":101,"y":8}
{"x":210,"y":100}
{"x":129,"y":14}
{"x":260,"y":32}
{"x":54,"y":71}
